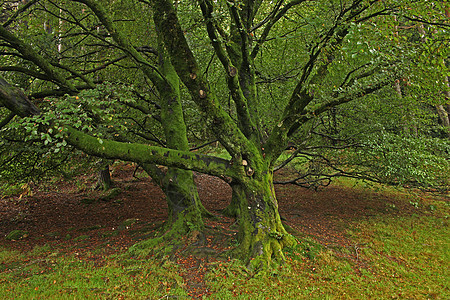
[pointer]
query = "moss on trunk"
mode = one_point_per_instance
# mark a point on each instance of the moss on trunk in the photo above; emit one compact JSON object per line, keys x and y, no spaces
{"x":184,"y":215}
{"x":262,"y":236}
{"x":182,"y":198}
{"x":233,"y":209}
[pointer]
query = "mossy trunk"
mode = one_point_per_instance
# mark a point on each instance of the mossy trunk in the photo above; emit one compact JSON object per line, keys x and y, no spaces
{"x":184,"y":212}
{"x":233,"y":209}
{"x":104,"y":181}
{"x":262,"y":236}
{"x":185,"y":208}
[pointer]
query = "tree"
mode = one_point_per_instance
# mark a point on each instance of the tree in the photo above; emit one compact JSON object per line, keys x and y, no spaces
{"x":240,"y":35}
{"x":177,"y":184}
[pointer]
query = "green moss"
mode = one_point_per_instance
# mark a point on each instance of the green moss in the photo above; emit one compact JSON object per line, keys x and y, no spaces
{"x":39,"y":250}
{"x":143,"y":154}
{"x":110,"y":194}
{"x":81,"y":238}
{"x":158,"y":247}
{"x":16,"y":235}
{"x":129,"y":222}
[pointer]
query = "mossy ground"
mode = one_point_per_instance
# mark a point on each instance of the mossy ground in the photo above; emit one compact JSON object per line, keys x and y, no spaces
{"x":354,"y":243}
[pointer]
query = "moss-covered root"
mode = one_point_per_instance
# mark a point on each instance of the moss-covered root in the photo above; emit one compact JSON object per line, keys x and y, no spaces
{"x":268,"y":253}
{"x":170,"y":238}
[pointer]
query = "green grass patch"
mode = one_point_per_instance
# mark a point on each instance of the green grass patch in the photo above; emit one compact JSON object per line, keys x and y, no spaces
{"x":409,"y":255}
{"x":392,"y":258}
{"x":73,"y":277}
{"x":81,"y":238}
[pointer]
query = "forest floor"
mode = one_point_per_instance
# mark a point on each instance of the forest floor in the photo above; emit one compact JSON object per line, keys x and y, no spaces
{"x":70,"y":217}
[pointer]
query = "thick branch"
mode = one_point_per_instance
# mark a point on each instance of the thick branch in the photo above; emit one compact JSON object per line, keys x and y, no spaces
{"x":144,"y":154}
{"x":60,"y":92}
{"x":15,"y":100}
{"x":123,"y":42}
{"x":24,"y":71}
{"x":187,"y":69}
{"x":301,"y":96}
{"x":336,"y":102}
{"x":232,"y":75}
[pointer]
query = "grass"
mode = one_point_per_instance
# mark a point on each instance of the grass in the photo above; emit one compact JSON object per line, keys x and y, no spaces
{"x":46,"y":275}
{"x":391,"y":257}
{"x":403,"y":258}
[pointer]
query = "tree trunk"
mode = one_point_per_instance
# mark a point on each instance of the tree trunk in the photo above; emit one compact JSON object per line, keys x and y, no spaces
{"x":443,"y":115}
{"x":262,"y":235}
{"x":233,"y":209}
{"x":104,"y":179}
{"x":185,"y":208}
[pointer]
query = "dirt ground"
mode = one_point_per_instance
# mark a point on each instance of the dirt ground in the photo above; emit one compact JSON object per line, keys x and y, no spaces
{"x":72,"y":218}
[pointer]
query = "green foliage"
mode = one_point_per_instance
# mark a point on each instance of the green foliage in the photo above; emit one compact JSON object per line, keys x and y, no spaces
{"x":16,"y":235}
{"x":401,"y":160}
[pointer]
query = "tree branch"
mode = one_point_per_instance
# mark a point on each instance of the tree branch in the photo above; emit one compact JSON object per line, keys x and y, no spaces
{"x":150,"y":71}
{"x":143,"y":154}
{"x":30,"y":54}
{"x":20,"y":10}
{"x":276,"y":16}
{"x":232,"y":75}
{"x":15,"y":100}
{"x":26,"y":71}
{"x":186,"y":66}
{"x":6,"y":120}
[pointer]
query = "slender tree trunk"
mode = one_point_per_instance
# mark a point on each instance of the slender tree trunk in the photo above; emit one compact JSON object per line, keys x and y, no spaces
{"x":104,"y":181}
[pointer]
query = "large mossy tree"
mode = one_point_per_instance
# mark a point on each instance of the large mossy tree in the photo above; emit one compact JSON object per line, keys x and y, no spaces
{"x":239,"y":37}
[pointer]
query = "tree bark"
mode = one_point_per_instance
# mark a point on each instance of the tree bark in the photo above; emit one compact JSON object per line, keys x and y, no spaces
{"x":262,"y":236}
{"x":104,"y":181}
{"x":15,"y":100}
